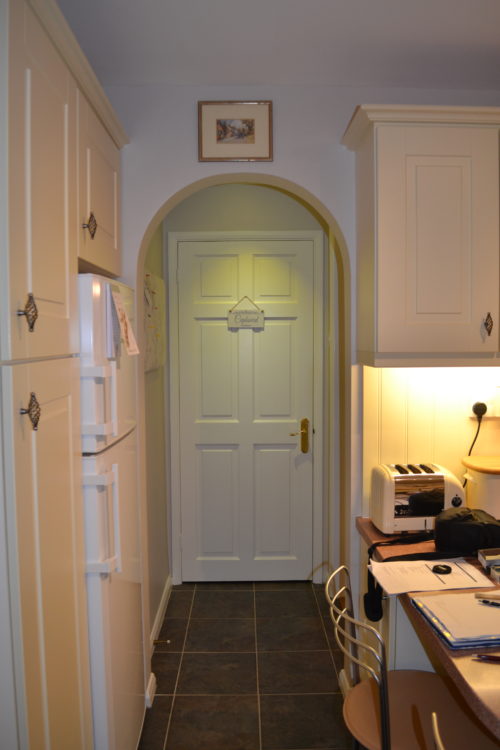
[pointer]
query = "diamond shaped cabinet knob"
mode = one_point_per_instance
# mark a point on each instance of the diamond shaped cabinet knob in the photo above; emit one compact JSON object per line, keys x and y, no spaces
{"x":33,"y":411}
{"x":488,"y":324}
{"x":91,"y":225}
{"x":30,"y":312}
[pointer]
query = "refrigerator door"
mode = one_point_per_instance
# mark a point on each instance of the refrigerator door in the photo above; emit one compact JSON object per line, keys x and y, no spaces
{"x":114,"y":595}
{"x":107,"y":370}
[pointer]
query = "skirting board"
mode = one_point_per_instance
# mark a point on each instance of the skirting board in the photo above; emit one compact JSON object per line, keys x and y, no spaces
{"x":150,"y":690}
{"x":160,"y":614}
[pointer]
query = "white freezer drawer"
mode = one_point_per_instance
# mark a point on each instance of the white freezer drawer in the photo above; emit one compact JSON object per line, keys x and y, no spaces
{"x":107,"y":371}
{"x":111,"y":510}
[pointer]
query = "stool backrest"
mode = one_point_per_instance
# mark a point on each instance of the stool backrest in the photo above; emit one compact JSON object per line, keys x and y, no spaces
{"x":363,"y":646}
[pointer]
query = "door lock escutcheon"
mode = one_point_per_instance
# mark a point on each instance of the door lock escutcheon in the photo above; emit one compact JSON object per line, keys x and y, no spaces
{"x":304,"y":435}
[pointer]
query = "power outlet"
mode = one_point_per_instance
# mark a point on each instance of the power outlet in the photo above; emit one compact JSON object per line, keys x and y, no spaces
{"x":479,"y":409}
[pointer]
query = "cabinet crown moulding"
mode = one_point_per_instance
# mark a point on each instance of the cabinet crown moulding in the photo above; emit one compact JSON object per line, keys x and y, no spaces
{"x":366,"y":115}
{"x":65,"y":41}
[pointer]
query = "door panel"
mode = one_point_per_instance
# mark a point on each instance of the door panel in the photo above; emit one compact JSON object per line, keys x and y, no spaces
{"x":42,"y":186}
{"x":48,"y":516}
{"x":246,"y":488}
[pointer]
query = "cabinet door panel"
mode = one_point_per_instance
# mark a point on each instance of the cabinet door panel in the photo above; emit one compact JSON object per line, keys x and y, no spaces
{"x":99,"y":165}
{"x":46,"y":505}
{"x":437,"y":238}
{"x":42,"y":209}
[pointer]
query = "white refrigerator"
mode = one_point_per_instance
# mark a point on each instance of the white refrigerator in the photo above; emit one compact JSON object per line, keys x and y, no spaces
{"x":111,"y":503}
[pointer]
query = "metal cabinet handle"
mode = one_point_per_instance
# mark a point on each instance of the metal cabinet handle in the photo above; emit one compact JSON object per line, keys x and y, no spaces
{"x":304,"y":435}
{"x":488,"y":324}
{"x":30,"y":312}
{"x":33,"y":411}
{"x":91,"y":225}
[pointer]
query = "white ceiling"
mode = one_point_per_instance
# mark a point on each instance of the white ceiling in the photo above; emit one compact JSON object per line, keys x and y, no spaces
{"x":441,"y":44}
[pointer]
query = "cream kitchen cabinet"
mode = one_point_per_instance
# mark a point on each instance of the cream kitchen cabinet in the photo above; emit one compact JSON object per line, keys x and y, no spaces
{"x":39,"y":258}
{"x":44,"y":661}
{"x":98,"y":190}
{"x":44,"y":512}
{"x":427,"y":184}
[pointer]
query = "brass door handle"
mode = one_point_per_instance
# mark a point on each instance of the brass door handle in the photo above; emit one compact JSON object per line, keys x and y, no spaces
{"x":304,"y":435}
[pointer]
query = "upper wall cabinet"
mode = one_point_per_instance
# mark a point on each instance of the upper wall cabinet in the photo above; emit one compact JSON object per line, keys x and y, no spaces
{"x":49,"y":97}
{"x":99,"y":178}
{"x":39,"y":288}
{"x":427,"y":184}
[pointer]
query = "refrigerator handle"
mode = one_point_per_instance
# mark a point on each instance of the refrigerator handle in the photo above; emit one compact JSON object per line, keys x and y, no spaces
{"x":113,"y":563}
{"x":116,"y":518}
{"x":114,"y":397}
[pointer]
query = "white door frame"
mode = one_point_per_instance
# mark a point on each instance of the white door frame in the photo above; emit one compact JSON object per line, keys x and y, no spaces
{"x":320,"y":417}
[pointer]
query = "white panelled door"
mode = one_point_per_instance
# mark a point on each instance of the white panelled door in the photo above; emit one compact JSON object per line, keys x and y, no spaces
{"x":246,"y":487}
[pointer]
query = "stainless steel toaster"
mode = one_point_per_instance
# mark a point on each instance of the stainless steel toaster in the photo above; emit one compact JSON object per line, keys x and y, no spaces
{"x":408,"y":497}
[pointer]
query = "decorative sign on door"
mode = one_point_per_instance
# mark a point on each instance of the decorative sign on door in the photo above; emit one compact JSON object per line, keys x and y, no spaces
{"x":243,"y":317}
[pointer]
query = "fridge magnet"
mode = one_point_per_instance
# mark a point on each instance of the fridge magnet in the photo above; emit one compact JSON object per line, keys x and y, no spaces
{"x":235,"y":131}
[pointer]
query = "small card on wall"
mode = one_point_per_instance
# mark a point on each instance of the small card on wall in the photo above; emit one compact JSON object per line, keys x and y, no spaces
{"x":126,"y":331}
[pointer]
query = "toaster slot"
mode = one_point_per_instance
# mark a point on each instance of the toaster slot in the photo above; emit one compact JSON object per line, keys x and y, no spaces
{"x":400,"y":469}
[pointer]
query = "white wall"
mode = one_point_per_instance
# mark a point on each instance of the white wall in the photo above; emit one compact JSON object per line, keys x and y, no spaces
{"x":162,"y":157}
{"x":162,"y":160}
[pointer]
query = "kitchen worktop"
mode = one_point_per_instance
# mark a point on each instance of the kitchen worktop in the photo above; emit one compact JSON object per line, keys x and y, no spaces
{"x":478,"y":683}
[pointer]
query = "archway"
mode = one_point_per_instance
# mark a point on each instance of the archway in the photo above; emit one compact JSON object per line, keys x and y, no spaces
{"x":338,"y":508}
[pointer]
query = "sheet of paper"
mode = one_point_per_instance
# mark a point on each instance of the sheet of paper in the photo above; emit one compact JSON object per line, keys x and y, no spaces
{"x":399,"y":577}
{"x":125,"y":327}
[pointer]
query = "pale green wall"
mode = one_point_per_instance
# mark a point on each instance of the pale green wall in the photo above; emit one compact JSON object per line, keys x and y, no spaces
{"x":156,"y":452}
{"x":240,"y":207}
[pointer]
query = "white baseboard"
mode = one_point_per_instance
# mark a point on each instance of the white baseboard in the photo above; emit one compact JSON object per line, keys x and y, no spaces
{"x":150,"y":690}
{"x":160,"y":614}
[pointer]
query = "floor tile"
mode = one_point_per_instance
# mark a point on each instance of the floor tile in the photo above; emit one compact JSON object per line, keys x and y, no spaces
{"x":222,"y":604}
{"x":296,"y":672}
{"x":225,"y":586}
{"x":179,"y":604}
{"x":221,"y":635}
{"x":172,"y":635}
{"x":211,"y":674}
{"x":302,"y":721}
{"x":290,"y":634}
{"x":227,"y":722}
{"x":166,"y":667}
{"x":155,"y":724}
{"x":282,"y":585}
{"x":285,"y":604}
{"x":319,"y":593}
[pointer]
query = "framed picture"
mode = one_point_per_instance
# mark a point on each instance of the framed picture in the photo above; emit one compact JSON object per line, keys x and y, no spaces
{"x":235,"y":131}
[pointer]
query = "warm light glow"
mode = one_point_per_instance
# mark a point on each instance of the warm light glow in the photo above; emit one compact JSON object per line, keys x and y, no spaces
{"x":96,"y":289}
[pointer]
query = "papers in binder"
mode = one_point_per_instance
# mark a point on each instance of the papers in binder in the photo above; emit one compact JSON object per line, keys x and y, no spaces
{"x":460,"y":619}
{"x":399,"y":577}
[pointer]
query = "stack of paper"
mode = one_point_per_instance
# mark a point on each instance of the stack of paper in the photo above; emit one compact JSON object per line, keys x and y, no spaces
{"x":461,"y":619}
{"x":401,"y":576}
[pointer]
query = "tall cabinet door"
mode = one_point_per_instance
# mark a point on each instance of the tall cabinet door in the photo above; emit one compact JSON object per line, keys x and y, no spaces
{"x":46,"y":548}
{"x":39,"y":290}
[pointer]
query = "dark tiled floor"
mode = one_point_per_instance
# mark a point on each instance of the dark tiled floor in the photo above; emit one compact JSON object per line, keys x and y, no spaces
{"x":246,"y":667}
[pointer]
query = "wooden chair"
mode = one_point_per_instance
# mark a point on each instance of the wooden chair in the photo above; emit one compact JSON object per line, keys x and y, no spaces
{"x":392,"y":709}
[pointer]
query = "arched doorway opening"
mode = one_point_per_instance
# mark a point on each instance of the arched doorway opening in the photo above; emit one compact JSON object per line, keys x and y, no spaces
{"x":336,"y":511}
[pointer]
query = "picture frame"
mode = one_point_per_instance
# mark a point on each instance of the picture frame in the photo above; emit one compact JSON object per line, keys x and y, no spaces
{"x":235,"y":131}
